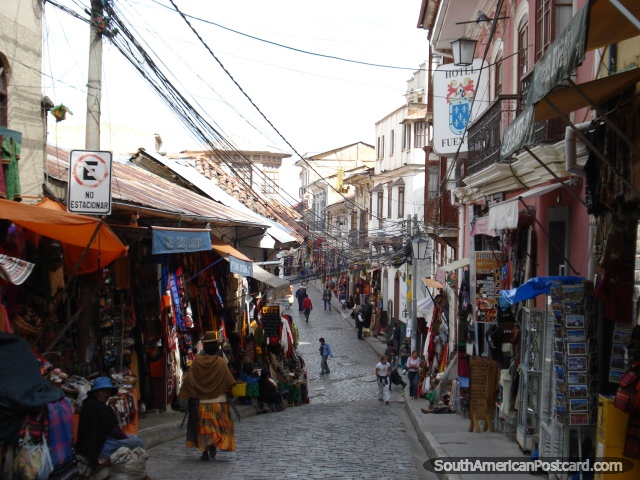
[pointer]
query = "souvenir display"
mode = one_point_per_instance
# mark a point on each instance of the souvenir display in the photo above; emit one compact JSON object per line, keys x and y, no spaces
{"x":574,"y":357}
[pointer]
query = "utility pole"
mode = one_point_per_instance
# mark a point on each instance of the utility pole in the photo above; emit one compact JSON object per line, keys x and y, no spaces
{"x":414,"y":294}
{"x":94,"y":81}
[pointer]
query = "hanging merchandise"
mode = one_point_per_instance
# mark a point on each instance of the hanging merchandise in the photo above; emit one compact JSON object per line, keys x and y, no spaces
{"x":59,"y":112}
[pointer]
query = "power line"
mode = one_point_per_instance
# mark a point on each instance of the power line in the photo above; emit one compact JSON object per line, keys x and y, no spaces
{"x":332,"y":57}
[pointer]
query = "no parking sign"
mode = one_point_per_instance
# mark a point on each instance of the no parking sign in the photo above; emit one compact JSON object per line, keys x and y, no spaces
{"x":89,"y":185}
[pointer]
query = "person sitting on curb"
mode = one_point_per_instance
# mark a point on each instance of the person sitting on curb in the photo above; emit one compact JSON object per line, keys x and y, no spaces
{"x":99,"y":432}
{"x":443,"y":406}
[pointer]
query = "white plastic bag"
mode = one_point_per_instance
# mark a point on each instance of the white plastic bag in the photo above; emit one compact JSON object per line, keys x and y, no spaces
{"x":46,"y":466}
{"x":128,"y":464}
{"x":32,"y":462}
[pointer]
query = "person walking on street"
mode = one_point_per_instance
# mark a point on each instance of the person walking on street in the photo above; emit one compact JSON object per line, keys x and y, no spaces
{"x":413,"y":366}
{"x":300,"y":294}
{"x":405,"y":352}
{"x":205,"y":385}
{"x":367,"y":313}
{"x":396,"y":378}
{"x":307,"y":306}
{"x":326,"y":297}
{"x":359,"y":319}
{"x":325,"y":353}
{"x":383,"y":375}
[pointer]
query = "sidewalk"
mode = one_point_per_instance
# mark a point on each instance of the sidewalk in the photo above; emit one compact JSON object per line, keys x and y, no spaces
{"x":446,"y":436}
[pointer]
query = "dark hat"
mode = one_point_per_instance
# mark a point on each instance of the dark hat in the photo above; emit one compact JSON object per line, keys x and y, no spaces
{"x":102,"y":383}
{"x":210,"y":336}
{"x":321,"y":339}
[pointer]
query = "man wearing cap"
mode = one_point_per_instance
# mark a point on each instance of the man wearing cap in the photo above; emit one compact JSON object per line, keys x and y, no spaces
{"x":99,"y":432}
{"x":205,"y":385}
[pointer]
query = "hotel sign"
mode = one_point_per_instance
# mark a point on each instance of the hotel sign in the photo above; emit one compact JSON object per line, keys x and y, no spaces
{"x":460,"y":95}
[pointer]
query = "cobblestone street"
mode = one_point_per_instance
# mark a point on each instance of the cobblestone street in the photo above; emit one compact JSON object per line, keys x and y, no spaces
{"x":343,"y":433}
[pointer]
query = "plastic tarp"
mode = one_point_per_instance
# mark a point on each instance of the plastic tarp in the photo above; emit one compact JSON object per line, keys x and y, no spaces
{"x":73,"y":231}
{"x":536,"y":286}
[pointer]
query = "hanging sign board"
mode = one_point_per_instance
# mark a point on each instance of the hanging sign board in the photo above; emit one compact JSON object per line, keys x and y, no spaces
{"x":460,"y":95}
{"x":179,"y":240}
{"x":89,"y":184}
{"x":488,"y":268}
{"x":240,"y":267}
{"x":271,"y":321}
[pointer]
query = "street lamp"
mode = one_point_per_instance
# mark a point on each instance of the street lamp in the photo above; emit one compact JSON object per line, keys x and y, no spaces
{"x":419,"y":246}
{"x":463,"y":51}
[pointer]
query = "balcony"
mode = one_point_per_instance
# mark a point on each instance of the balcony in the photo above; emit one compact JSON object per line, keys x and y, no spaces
{"x":545,"y":131}
{"x":485,"y":134}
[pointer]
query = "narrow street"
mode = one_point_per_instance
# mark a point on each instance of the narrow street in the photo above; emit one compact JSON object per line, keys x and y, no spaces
{"x":343,"y":433}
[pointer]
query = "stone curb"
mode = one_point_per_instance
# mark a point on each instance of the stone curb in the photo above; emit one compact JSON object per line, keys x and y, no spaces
{"x":430,"y":444}
{"x":159,"y":434}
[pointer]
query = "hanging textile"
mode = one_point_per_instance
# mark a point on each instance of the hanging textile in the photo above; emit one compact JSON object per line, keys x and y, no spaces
{"x":10,"y":156}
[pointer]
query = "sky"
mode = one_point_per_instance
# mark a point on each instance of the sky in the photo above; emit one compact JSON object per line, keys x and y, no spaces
{"x":312,"y":103}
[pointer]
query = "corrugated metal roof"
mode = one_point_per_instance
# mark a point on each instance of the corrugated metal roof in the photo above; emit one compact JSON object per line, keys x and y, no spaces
{"x":135,"y":186}
{"x":200,"y":180}
{"x":282,"y":215}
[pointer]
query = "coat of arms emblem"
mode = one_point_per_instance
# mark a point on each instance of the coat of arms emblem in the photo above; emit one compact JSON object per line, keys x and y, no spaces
{"x":459,"y":97}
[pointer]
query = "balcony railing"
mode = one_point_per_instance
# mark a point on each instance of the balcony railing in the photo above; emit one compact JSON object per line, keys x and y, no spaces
{"x":545,"y":131}
{"x":485,"y":134}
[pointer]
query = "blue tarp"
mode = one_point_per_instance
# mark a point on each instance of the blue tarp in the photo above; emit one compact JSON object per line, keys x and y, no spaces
{"x":536,"y":286}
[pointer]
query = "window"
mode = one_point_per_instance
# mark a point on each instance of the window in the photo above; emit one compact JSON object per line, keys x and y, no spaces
{"x":354,"y":220}
{"x":563,"y":13}
{"x":380,"y":147}
{"x":392,"y":140}
{"x":379,"y":206}
{"x":320,"y":204}
{"x":370,"y":205}
{"x":389,"y":201}
{"x":420,"y":134}
{"x":406,"y":136}
{"x":3,"y":95}
{"x":400,"y":202}
{"x":434,"y":182}
{"x":543,"y":27}
{"x":364,"y":223}
{"x":523,"y":49}
{"x":552,"y":16}
{"x":497,"y":80}
{"x":271,"y":180}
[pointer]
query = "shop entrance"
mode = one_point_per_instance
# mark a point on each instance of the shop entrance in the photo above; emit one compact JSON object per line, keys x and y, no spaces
{"x":559,"y":234}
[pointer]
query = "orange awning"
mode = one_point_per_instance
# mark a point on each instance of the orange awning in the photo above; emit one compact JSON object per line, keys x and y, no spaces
{"x":226,"y":249}
{"x":73,"y":231}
